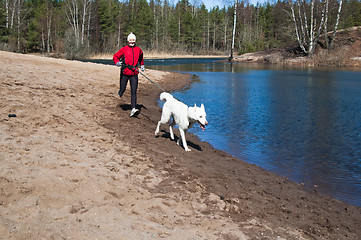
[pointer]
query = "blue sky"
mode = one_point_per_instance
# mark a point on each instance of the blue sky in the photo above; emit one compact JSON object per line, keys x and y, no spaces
{"x":211,"y":3}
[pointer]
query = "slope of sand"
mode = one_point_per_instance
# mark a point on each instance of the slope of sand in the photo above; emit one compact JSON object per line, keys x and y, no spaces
{"x":74,"y":165}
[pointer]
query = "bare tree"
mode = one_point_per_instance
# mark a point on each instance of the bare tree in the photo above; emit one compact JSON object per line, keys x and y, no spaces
{"x":179,"y":30}
{"x":18,"y":27}
{"x":77,"y":13}
{"x":7,"y":3}
{"x":325,"y":24}
{"x":214,"y":36}
{"x":10,"y":10}
{"x":89,"y":18}
{"x":73,"y":17}
{"x":307,"y":36}
{"x":234,"y":29}
{"x":225,"y":32}
{"x":86,"y":9}
{"x":307,"y":30}
{"x":49,"y":16}
{"x":336,"y":25}
{"x":208,"y":35}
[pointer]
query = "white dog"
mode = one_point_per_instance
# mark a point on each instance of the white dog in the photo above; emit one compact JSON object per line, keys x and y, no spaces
{"x":183,"y":116}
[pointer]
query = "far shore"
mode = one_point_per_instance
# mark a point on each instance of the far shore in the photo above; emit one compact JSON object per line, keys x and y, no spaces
{"x":161,"y":56}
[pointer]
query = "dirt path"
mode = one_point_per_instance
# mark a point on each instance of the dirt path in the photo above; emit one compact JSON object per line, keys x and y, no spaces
{"x":74,"y":165}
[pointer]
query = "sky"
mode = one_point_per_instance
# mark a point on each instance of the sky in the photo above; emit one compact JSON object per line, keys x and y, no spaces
{"x":212,"y":3}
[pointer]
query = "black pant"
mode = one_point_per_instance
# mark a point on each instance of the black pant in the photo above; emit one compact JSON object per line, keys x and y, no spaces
{"x":133,"y":87}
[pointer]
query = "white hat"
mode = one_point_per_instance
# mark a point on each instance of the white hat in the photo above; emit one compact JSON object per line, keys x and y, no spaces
{"x":131,"y":36}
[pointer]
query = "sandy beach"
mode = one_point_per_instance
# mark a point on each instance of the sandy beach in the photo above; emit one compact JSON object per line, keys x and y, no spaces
{"x":74,"y":165}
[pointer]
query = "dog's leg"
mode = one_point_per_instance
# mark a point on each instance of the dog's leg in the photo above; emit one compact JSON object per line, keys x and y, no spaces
{"x":171,"y":130}
{"x":166,"y":114}
{"x":157,"y":129}
{"x":182,"y":133}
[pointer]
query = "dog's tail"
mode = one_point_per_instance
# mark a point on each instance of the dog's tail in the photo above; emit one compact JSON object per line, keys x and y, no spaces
{"x":164,"y":96}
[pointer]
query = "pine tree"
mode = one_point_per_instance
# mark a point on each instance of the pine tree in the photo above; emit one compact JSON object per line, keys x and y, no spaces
{"x":108,"y":11}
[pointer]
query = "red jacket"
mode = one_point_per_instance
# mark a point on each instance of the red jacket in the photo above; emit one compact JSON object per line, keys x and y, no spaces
{"x":132,"y":56}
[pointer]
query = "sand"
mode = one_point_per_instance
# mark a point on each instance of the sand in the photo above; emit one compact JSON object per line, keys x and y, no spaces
{"x":74,"y":165}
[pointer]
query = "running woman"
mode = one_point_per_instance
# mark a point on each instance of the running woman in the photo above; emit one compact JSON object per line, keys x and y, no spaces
{"x":128,"y":57}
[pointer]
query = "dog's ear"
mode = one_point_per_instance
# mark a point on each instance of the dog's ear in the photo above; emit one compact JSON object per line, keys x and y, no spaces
{"x":202,"y":106}
{"x":195,"y":105}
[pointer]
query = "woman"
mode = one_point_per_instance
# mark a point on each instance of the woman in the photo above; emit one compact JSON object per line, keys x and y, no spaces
{"x":128,"y":58}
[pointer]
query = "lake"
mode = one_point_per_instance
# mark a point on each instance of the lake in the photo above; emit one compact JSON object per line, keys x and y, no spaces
{"x":304,"y":124}
{"x":301,"y":123}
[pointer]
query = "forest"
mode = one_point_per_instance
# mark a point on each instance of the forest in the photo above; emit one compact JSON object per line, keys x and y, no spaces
{"x":80,"y":28}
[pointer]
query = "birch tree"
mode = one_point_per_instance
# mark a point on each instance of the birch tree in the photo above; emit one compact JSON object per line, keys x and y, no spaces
{"x":7,"y":10}
{"x":308,"y":29}
{"x":10,"y":11}
{"x":234,"y":29}
{"x":72,"y":15}
{"x":46,"y":25}
{"x":336,"y":25}
{"x":77,"y":12}
{"x":325,"y":24}
{"x":19,"y":23}
{"x":86,"y":9}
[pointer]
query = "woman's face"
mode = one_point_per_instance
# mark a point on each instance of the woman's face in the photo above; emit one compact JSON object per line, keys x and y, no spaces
{"x":131,"y":42}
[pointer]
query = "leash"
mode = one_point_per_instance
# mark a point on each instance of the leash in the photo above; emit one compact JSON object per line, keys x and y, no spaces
{"x":132,"y":67}
{"x":153,"y":82}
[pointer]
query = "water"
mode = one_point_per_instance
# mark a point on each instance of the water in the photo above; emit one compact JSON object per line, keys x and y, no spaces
{"x":299,"y":123}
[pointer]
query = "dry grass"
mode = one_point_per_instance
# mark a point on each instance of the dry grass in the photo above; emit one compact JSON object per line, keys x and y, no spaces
{"x":101,"y":56}
{"x":159,"y":55}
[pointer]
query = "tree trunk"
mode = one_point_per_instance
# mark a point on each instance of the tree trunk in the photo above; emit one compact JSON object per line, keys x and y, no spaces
{"x":303,"y":35}
{"x":86,"y":8}
{"x":13,"y":14}
{"x":307,"y":38}
{"x":88,"y":31}
{"x":19,"y":22}
{"x":49,"y":32}
{"x":314,"y":40}
{"x":73,"y":18}
{"x":225,"y":33}
{"x":306,"y":22}
{"x":336,"y":25}
{"x":118,"y":45}
{"x":7,"y":13}
{"x":156,"y":31}
{"x":208,"y":35}
{"x":214,"y":36}
{"x":234,"y":29}
{"x":42,"y":42}
{"x":83,"y":22}
{"x":179,"y":30}
{"x":310,"y":45}
{"x":296,"y":27}
{"x":325,"y":25}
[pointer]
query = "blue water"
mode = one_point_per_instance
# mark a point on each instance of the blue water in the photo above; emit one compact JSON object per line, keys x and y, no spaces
{"x":300,"y":123}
